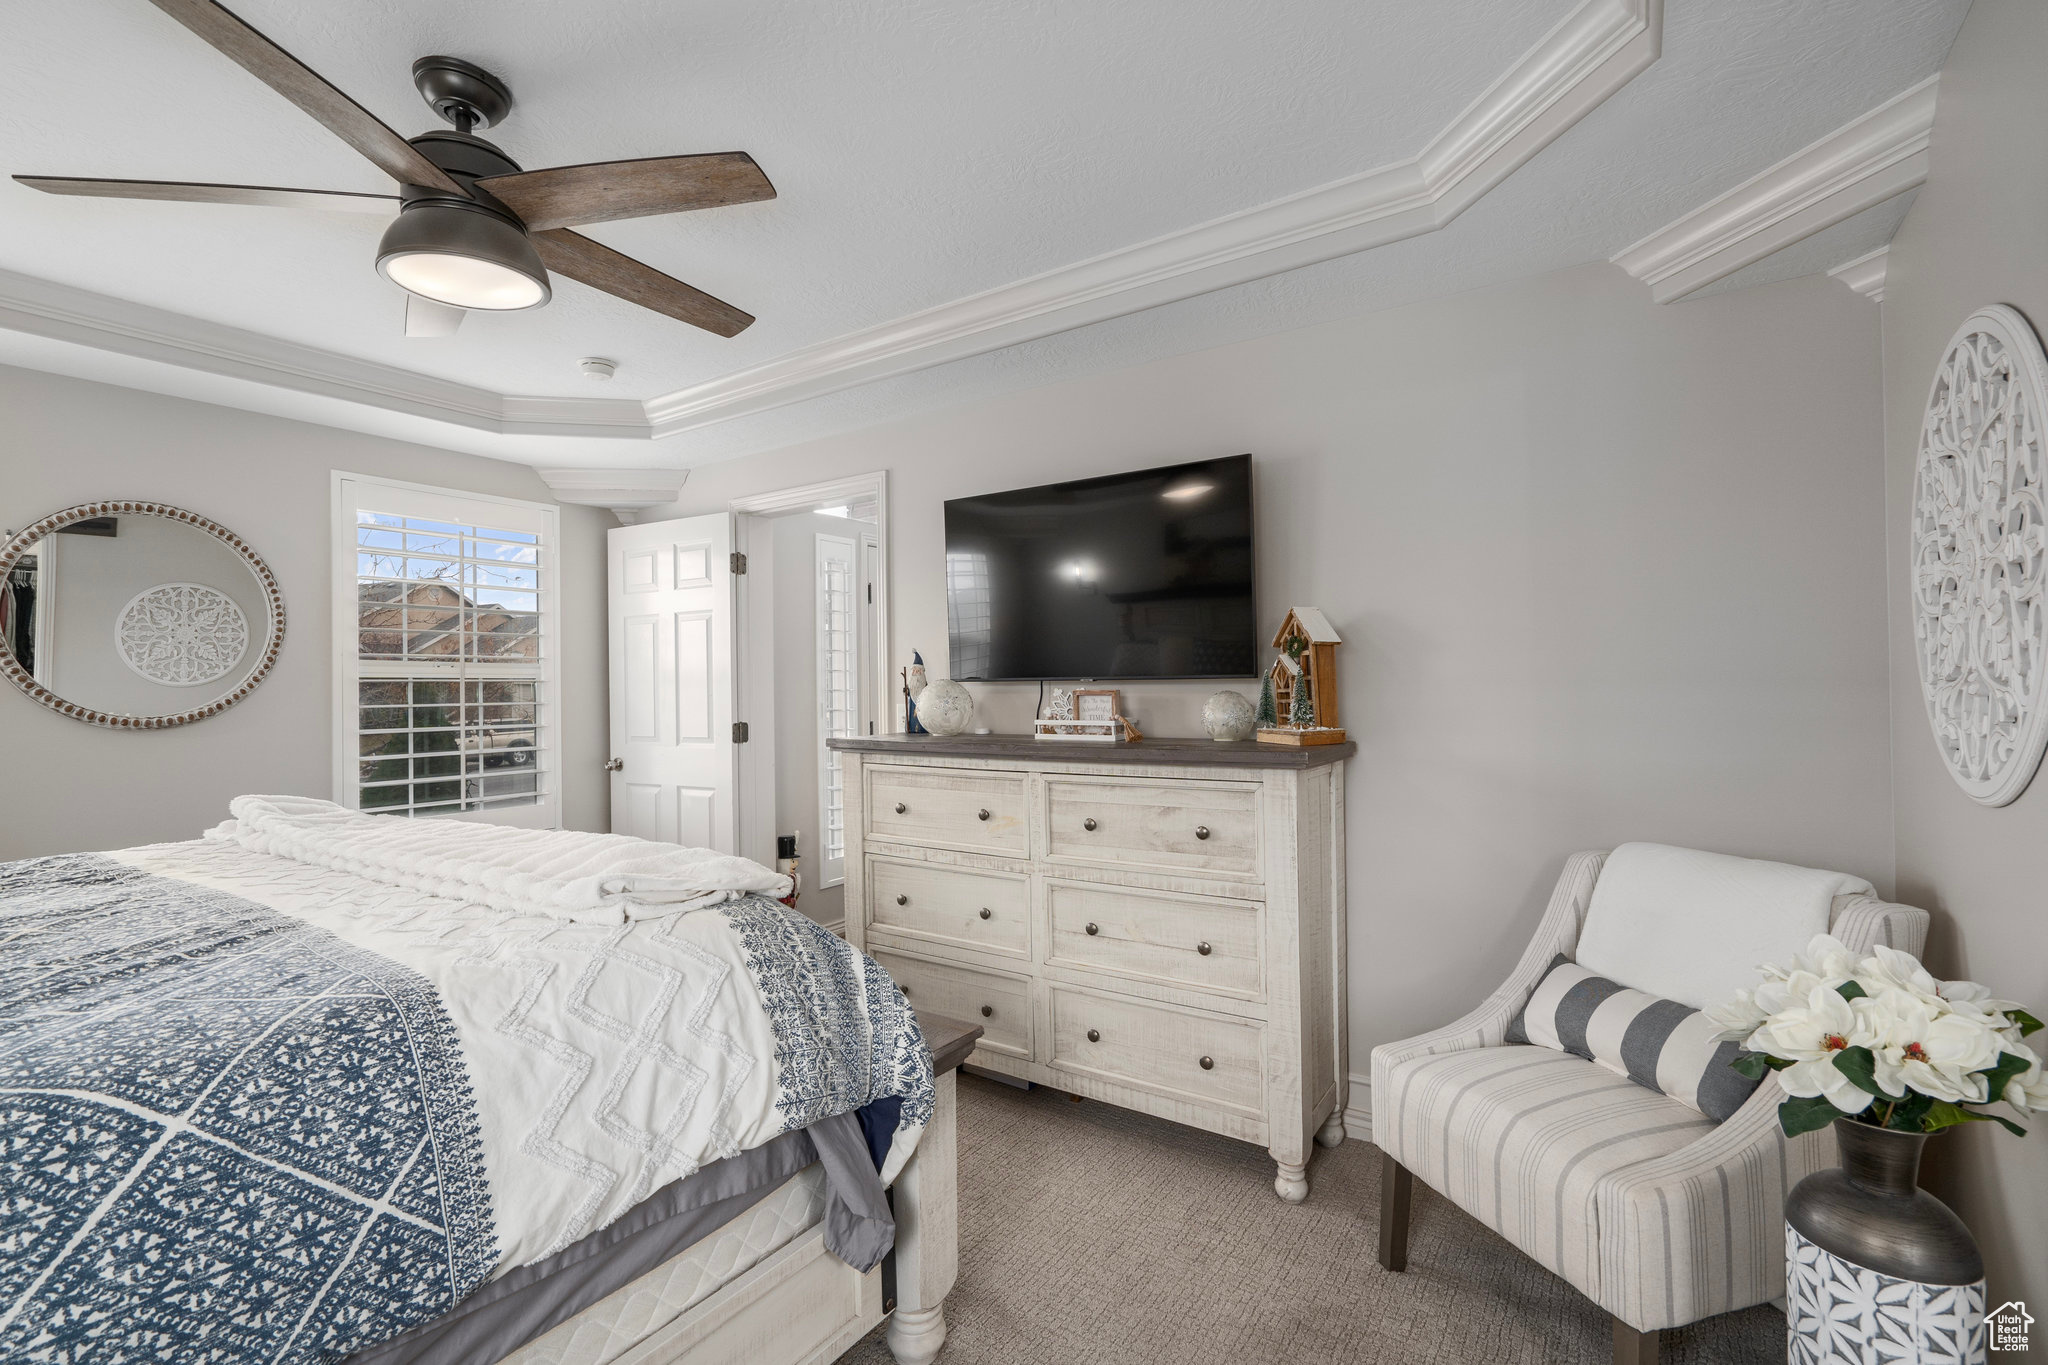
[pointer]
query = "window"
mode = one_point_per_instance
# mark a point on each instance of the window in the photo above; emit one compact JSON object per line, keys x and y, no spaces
{"x":838,"y":694}
{"x":445,"y":657}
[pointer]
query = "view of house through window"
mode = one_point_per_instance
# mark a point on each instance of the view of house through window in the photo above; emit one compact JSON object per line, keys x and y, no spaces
{"x":450,"y":642}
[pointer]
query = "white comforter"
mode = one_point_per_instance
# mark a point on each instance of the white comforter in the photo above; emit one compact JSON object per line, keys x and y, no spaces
{"x":589,"y":878}
{"x":615,"y":1040}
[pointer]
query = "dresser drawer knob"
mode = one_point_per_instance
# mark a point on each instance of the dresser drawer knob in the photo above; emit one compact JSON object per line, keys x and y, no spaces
{"x":1208,"y":1063}
{"x":902,"y":899}
{"x":983,"y":814}
{"x":902,"y":809}
{"x":1093,"y":928}
{"x":987,"y":1010}
{"x":1201,"y":831}
{"x":986,"y":912}
{"x":1095,"y":1035}
{"x":1088,"y":824}
{"x":1203,"y":949}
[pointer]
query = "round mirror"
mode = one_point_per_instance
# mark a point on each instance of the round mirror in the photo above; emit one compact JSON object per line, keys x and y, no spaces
{"x":136,"y":615}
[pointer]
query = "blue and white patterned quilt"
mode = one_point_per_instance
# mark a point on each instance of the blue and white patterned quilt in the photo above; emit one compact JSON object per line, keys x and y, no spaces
{"x":252,"y":1110}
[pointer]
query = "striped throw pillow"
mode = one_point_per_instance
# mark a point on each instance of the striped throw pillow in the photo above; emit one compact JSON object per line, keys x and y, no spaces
{"x":1659,"y":1044}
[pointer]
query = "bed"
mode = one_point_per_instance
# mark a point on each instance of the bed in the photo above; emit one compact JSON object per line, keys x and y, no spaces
{"x":327,"y":1087}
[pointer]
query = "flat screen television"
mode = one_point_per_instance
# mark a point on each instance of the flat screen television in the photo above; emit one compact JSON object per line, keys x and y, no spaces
{"x":1144,"y":575}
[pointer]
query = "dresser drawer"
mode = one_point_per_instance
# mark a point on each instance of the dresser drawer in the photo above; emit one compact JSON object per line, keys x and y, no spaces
{"x":1200,"y":827}
{"x":1197,"y":941}
{"x":981,"y":812}
{"x":1159,"y":1048}
{"x":958,"y":905}
{"x":1000,"y":1004}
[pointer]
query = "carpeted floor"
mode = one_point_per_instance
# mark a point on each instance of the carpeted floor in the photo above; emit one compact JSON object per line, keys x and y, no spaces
{"x":1091,"y":1234}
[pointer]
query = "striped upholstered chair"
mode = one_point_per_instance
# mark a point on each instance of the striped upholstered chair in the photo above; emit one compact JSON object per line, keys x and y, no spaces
{"x":1656,"y":1213}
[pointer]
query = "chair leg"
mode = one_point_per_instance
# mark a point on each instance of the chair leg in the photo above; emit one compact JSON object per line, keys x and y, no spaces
{"x":1632,"y":1347}
{"x":1397,"y":1191}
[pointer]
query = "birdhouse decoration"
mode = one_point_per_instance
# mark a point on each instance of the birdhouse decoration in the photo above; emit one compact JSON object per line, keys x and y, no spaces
{"x":1303,"y":681}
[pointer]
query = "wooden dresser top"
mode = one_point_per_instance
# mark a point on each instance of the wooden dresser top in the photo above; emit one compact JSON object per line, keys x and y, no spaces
{"x":1194,"y":753}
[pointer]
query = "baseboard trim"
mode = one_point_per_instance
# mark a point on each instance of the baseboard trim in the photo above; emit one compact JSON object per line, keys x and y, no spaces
{"x":1358,"y":1110}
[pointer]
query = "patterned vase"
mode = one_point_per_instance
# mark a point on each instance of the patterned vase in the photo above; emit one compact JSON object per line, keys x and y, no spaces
{"x":1877,"y":1269}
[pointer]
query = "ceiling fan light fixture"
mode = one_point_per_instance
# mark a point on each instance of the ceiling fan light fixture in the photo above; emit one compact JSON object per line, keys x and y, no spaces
{"x":463,"y":255}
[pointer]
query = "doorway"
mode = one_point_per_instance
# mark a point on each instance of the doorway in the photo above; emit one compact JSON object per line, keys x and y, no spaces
{"x":812,"y":635}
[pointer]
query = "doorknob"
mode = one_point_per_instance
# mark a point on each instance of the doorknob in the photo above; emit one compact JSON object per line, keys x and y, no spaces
{"x":615,"y":765}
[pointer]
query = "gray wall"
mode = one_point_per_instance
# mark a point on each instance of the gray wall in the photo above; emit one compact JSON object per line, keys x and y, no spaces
{"x":1605,"y":570}
{"x":1977,"y":234}
{"x":64,"y":441}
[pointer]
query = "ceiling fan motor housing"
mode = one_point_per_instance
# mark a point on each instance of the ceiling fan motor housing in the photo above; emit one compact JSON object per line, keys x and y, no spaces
{"x":434,"y":222}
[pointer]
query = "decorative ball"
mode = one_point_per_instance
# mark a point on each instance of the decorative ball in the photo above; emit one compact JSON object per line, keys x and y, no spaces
{"x":1229,"y":715}
{"x":945,"y":708}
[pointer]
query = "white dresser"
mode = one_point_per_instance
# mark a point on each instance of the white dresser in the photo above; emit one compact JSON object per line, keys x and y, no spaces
{"x":1159,"y":925}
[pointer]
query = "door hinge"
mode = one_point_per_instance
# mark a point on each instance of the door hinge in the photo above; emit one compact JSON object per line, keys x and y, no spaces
{"x":739,"y":562}
{"x":871,"y":594}
{"x":739,"y":732}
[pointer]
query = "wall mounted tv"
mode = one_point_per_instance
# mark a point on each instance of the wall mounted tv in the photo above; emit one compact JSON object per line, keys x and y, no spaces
{"x":1144,"y":575}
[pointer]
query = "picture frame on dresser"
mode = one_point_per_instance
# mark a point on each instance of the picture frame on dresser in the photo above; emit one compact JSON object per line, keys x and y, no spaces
{"x":1157,"y":925}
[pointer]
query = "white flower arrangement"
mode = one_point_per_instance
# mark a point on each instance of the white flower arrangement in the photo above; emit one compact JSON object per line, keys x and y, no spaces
{"x":1882,"y":1041}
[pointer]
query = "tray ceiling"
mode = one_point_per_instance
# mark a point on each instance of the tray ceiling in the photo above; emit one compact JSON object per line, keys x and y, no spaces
{"x":923,"y":153}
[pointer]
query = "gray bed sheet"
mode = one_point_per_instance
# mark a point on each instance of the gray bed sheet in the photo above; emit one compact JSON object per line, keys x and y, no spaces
{"x":532,"y":1299}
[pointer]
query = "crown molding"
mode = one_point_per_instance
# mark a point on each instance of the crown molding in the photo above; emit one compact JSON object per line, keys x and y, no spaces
{"x":64,"y":313}
{"x":1591,"y":54}
{"x":627,"y":492}
{"x":1865,"y":274}
{"x":1858,"y":166}
{"x":1595,"y":51}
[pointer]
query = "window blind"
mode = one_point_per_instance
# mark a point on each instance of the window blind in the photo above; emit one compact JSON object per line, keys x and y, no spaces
{"x":451,"y":625}
{"x":838,"y":693}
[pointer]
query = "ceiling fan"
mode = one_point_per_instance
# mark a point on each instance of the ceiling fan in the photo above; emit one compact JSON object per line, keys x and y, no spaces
{"x":473,"y":230}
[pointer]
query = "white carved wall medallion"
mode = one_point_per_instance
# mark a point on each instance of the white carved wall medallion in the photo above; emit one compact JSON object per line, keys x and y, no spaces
{"x":1979,"y":552}
{"x":181,"y":634}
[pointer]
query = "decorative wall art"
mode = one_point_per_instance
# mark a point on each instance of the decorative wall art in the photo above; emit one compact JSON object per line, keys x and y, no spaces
{"x":181,"y":634}
{"x":1979,"y":550}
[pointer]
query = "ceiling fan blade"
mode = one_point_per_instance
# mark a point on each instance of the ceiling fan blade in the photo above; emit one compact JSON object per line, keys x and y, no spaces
{"x":199,"y":192}
{"x":597,"y":265}
{"x":303,"y":86}
{"x":600,"y":191}
{"x":426,"y":318}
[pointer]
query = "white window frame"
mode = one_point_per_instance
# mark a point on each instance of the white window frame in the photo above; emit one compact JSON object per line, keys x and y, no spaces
{"x":350,"y":493}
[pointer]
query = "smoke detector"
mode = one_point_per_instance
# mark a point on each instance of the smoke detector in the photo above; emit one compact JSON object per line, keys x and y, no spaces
{"x":597,"y":369}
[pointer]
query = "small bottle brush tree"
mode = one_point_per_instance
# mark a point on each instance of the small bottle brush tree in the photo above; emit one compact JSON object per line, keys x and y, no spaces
{"x":1269,"y":711}
{"x":1302,"y":714}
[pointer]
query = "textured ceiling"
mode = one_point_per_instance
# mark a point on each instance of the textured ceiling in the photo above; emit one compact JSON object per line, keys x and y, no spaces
{"x":923,"y":152}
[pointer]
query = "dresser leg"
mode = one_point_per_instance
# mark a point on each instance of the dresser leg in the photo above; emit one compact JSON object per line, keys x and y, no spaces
{"x":915,"y":1335}
{"x":1331,"y":1134}
{"x":1292,"y":1182}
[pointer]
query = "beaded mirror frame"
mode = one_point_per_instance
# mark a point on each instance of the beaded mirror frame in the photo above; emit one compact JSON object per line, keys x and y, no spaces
{"x":273,"y":600}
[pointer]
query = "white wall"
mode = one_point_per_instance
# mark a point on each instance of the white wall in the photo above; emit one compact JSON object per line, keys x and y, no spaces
{"x":65,"y":441}
{"x":1605,"y":570}
{"x":1975,"y":235}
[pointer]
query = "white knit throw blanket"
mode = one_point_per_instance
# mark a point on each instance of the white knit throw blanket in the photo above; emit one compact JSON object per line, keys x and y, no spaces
{"x":587,"y":878}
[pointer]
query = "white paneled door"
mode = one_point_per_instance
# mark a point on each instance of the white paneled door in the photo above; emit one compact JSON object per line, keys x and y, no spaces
{"x":671,"y":613}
